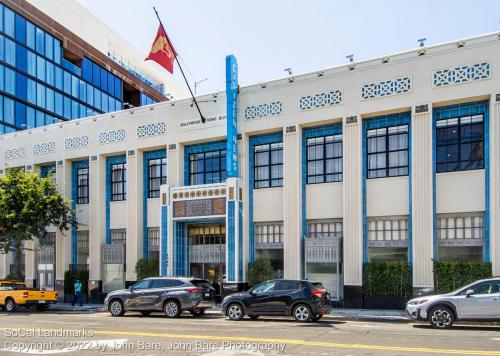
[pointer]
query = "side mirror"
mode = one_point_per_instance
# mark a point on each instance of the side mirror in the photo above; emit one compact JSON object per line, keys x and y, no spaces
{"x":469,"y":292}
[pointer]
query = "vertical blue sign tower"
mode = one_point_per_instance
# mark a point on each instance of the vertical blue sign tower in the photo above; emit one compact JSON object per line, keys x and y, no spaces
{"x":234,"y":206}
{"x":232,"y":116}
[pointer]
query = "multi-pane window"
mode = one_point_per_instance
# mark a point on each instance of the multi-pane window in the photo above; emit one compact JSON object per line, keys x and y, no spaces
{"x":460,"y":143}
{"x":324,"y":229}
{"x":324,"y":159}
{"x":49,"y":239}
{"x":388,"y":229}
{"x":269,"y":233}
{"x":82,"y":186}
{"x":82,"y":238}
{"x":157,"y":176}
{"x":387,"y":152}
{"x":268,"y":165}
{"x":460,"y":227}
{"x":207,"y":167}
{"x":118,"y":236}
{"x":154,"y":243}
{"x":119,"y":181}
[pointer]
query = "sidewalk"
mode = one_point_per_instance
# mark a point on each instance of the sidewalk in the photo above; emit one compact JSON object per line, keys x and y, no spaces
{"x":337,"y":313}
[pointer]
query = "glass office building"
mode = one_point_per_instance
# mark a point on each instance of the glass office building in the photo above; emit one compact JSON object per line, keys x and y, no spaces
{"x":42,"y":83}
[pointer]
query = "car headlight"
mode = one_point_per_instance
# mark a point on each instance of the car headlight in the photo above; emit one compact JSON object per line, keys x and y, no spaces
{"x":418,"y":301}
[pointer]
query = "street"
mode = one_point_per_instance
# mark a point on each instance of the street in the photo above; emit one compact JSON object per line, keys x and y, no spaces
{"x":133,"y":334}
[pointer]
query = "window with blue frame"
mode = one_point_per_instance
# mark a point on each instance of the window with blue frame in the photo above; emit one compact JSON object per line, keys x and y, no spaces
{"x":157,"y":176}
{"x":82,"y":192}
{"x":387,"y":152}
{"x":207,"y":167}
{"x":268,"y":165}
{"x":460,"y":143}
{"x":118,"y":182}
{"x":324,"y":159}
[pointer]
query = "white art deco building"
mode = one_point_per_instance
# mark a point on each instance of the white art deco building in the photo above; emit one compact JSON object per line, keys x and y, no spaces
{"x":391,"y":159}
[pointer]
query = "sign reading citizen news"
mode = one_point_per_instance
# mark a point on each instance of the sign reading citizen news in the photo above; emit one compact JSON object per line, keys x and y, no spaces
{"x":199,"y":207}
{"x":232,"y":116}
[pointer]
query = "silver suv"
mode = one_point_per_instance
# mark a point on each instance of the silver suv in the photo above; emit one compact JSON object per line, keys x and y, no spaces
{"x":479,"y":301}
{"x":172,"y":295}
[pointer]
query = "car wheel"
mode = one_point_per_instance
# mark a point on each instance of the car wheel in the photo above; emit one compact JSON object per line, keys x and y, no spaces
{"x":254,"y":317}
{"x":302,"y":313}
{"x":441,"y":317}
{"x":198,"y":312}
{"x":172,"y":309}
{"x":116,"y":308}
{"x":235,"y":311}
{"x":316,"y":317}
{"x":145,"y":313}
{"x":10,"y":306}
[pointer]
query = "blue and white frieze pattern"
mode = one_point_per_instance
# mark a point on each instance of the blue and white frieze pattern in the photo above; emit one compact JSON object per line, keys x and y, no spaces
{"x":112,"y":136}
{"x":15,"y":153}
{"x":44,"y":148}
{"x":386,"y":88}
{"x":155,"y":129}
{"x":461,"y":75}
{"x":320,"y":100}
{"x":263,"y":110}
{"x":76,"y":142}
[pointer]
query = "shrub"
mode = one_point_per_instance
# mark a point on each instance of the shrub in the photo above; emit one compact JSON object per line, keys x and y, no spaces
{"x":260,"y":270}
{"x":69,"y":281}
{"x":387,"y":279}
{"x":147,"y":268}
{"x":451,"y":275}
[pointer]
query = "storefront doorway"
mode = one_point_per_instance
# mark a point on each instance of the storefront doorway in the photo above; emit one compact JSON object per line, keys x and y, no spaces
{"x":207,"y":250}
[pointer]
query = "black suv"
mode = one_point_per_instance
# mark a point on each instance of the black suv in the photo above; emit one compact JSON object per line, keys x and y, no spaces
{"x":304,"y":300}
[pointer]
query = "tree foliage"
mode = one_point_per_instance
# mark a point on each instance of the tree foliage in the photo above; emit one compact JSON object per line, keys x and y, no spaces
{"x":28,"y":204}
{"x":147,"y":268}
{"x":451,"y":275}
{"x":260,"y":270}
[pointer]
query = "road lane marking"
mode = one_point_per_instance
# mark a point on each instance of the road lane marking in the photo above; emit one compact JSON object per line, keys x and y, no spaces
{"x":290,"y":342}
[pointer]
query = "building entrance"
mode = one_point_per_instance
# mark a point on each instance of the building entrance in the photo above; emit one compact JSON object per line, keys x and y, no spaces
{"x":207,"y":249}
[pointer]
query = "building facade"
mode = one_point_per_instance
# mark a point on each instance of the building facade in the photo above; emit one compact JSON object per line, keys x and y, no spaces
{"x":391,"y":159}
{"x":59,"y":63}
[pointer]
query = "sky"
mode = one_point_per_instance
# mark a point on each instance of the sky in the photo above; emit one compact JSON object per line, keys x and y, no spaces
{"x":267,"y":36}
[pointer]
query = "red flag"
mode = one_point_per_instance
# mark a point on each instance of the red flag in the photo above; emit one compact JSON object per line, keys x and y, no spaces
{"x":162,"y":52}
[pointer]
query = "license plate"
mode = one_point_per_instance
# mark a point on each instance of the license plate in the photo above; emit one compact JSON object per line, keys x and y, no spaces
{"x":41,"y":301}
{"x":207,"y":295}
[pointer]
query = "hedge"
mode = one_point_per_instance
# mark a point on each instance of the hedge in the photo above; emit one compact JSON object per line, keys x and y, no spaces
{"x":387,"y":279}
{"x":69,"y":281}
{"x":260,"y":270}
{"x":451,"y":275}
{"x":147,"y":268}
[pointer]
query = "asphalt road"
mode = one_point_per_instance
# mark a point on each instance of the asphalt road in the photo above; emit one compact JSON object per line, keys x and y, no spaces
{"x":133,"y":334}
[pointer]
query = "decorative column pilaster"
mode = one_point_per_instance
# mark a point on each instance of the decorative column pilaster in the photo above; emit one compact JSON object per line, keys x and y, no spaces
{"x":134,"y":246}
{"x":494,"y":186}
{"x":422,"y":196}
{"x":352,"y":127}
{"x":292,"y":206}
{"x":234,"y":229}
{"x":63,"y":239}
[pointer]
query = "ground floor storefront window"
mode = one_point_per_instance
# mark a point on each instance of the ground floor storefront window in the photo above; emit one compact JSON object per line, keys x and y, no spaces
{"x":460,"y":236}
{"x":387,"y":239}
{"x":269,"y":245}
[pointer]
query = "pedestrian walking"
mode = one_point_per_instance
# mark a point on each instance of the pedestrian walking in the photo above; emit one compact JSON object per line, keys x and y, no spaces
{"x":77,"y":297}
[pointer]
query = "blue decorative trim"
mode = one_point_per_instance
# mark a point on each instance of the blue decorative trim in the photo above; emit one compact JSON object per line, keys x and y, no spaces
{"x":109,"y":162}
{"x":199,"y":148}
{"x":181,"y":248}
{"x":445,"y":112}
{"x":317,"y":131}
{"x":145,"y":196}
{"x":75,"y":166}
{"x":240,"y":241}
{"x":232,"y":116}
{"x":45,"y":170}
{"x":403,"y":118}
{"x":164,"y":241}
{"x":230,"y":240}
{"x":256,"y":140}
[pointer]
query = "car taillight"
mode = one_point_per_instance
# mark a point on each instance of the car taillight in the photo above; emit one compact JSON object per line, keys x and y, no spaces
{"x":193,"y":290}
{"x":318,"y":293}
{"x":25,"y":294}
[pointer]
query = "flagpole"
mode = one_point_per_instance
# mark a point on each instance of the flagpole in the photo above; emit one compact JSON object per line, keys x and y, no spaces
{"x":180,"y":67}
